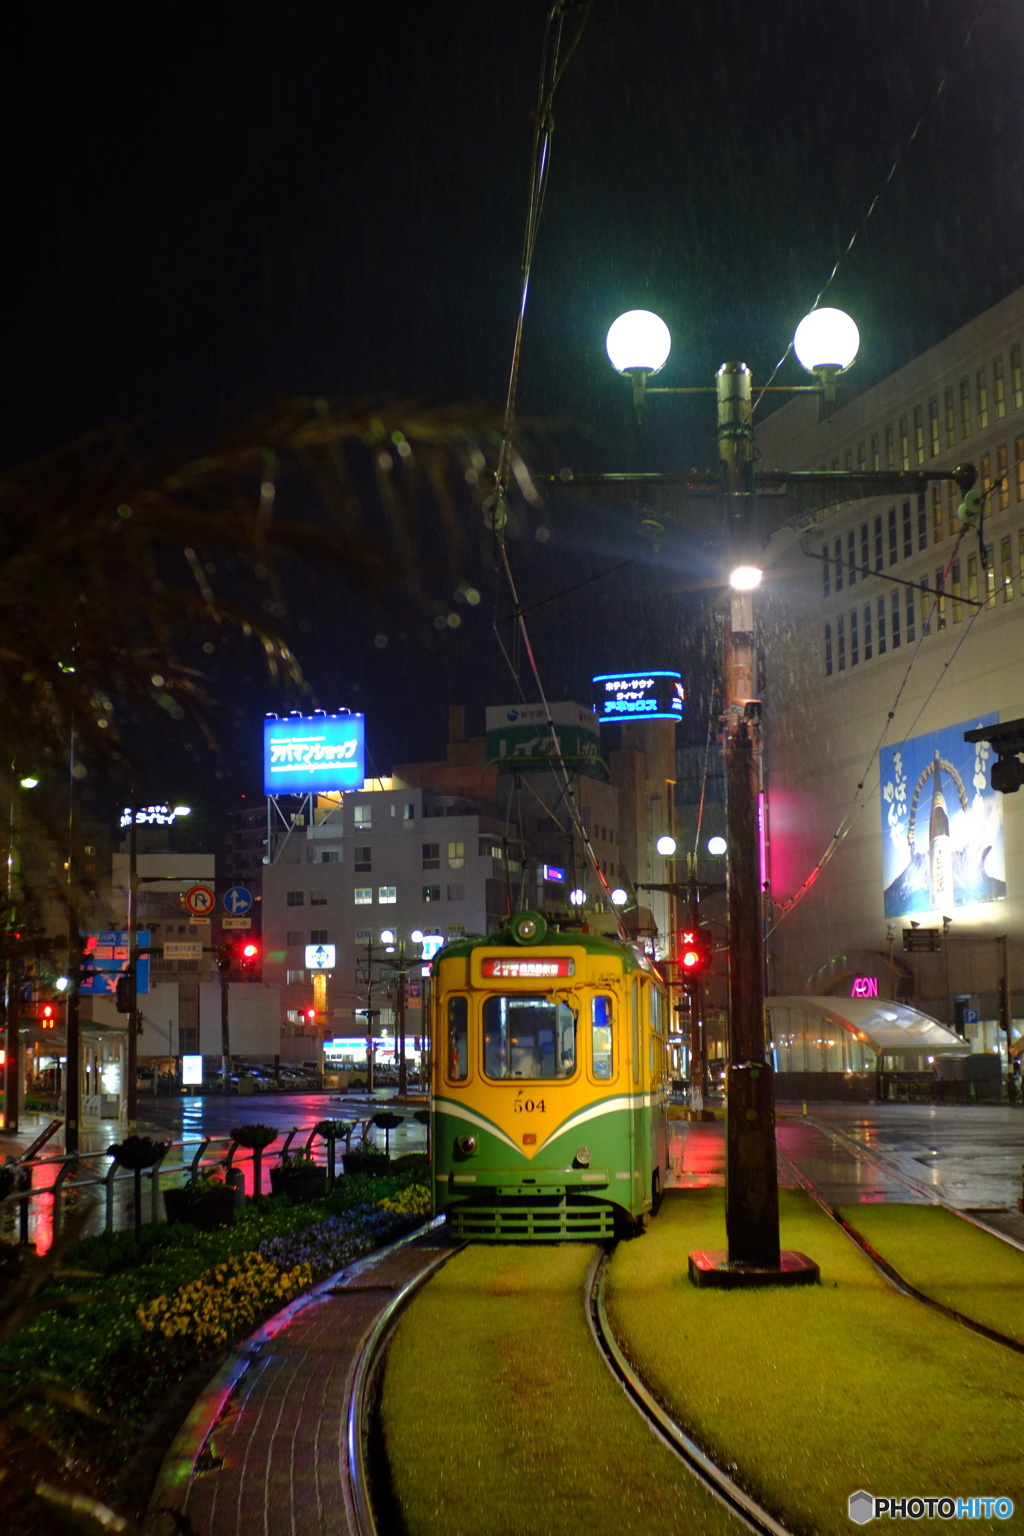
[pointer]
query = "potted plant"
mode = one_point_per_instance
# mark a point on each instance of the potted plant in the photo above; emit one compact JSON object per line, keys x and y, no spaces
{"x":255,"y":1138}
{"x":332,"y":1132}
{"x":298,"y":1177}
{"x":205,"y":1201}
{"x":137,"y":1153}
{"x":387,"y":1121}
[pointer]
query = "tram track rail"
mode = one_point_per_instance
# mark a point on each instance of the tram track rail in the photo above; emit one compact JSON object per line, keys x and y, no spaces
{"x":707,"y":1472}
{"x":884,"y":1266}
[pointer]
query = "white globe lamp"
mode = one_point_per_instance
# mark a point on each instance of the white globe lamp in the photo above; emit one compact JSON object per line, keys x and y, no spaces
{"x":638,"y":342}
{"x":577,"y":897}
{"x":826,"y":339}
{"x":666,"y":846}
{"x":619,"y":897}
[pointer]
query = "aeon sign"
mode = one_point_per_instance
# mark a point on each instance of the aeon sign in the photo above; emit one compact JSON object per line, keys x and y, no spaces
{"x":864,"y":986}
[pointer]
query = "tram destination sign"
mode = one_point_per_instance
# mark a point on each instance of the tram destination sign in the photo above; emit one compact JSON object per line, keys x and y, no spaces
{"x":559,"y":965}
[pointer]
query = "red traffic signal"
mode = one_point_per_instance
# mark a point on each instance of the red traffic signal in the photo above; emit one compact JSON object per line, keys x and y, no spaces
{"x":48,"y":1016}
{"x":248,"y":953}
{"x":695,"y":954}
{"x":309,"y":1014}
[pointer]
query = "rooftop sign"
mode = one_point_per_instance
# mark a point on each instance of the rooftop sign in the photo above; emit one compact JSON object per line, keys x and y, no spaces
{"x":304,"y":754}
{"x":638,"y":696}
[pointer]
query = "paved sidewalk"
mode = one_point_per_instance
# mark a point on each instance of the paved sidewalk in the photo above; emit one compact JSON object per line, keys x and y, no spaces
{"x":264,"y":1447}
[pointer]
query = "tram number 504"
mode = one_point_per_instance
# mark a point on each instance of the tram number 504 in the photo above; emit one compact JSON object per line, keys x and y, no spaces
{"x":529,"y":1106}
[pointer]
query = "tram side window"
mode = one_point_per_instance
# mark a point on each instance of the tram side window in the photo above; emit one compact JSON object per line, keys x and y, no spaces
{"x":634,"y":1010}
{"x":458,"y":1039}
{"x":529,"y":1037}
{"x":601,"y":1035}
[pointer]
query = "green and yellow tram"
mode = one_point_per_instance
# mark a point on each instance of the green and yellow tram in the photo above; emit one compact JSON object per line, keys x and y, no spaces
{"x":550,"y":1077}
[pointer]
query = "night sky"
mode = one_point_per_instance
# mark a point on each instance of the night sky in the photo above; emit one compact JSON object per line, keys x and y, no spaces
{"x":211,"y":206}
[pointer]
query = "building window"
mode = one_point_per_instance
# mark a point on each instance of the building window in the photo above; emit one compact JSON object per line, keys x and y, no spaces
{"x":318,"y":898}
{"x":956,"y":606}
{"x":908,"y":532}
{"x":1020,"y":559}
{"x":363,"y":860}
{"x":936,"y":512}
{"x":933,"y":426}
{"x":922,"y":522}
{"x":864,"y":549}
{"x":456,"y":892}
{"x":295,"y":978}
{"x":881,"y":626}
{"x":841,"y":643}
{"x":999,"y":388}
{"x":985,"y":472}
{"x":894,"y":627}
{"x":296,"y":898}
{"x":1003,"y":477}
{"x":854,"y":640}
{"x":889,"y":450}
{"x":318,"y":936}
{"x":363,"y":817}
{"x":911,"y":617}
{"x":918,"y":435}
{"x":330,"y":856}
{"x":386,"y":896}
{"x":431,"y":893}
{"x":1015,"y":378}
{"x":839,"y":565}
{"x":295,"y":936}
{"x":364,"y":895}
{"x":861,"y":457}
{"x":876,"y":457}
{"x":950,"y":420}
{"x":431,"y":855}
{"x":826,"y":588}
{"x":851,"y":557}
{"x":1006,"y":568}
{"x":981,"y":398}
{"x":972,"y":578}
{"x":409,"y":811}
{"x":828,"y":650}
{"x":965,"y":408}
{"x":894,"y":548}
{"x":940,"y":599}
{"x":456,"y":855}
{"x":867,"y":631}
{"x":990,"y":588}
{"x":878,"y":543}
{"x":1018,"y":454}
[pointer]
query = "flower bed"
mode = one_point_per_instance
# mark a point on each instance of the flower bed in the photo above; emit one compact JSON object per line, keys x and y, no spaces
{"x":159,"y":1309}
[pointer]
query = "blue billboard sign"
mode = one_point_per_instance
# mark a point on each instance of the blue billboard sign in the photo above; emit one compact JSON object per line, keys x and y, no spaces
{"x":308,"y":754}
{"x":638,"y":696}
{"x":106,"y":958}
{"x":942,"y":823}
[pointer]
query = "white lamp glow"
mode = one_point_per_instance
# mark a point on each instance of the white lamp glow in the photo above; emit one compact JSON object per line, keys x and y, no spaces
{"x":826,"y":338}
{"x":638,"y":341}
{"x":619,"y":897}
{"x":666,"y":846}
{"x":387,"y":936}
{"x":717,"y":845}
{"x":577,"y":897}
{"x":745,"y":578}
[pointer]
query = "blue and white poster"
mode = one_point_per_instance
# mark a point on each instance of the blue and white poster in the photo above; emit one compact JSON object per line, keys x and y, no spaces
{"x":942,"y":825}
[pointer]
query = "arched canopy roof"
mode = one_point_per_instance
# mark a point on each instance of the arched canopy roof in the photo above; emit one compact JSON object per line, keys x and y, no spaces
{"x":877,"y":1022}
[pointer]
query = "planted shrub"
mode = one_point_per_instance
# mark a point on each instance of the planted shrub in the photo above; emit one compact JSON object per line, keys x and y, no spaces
{"x":255,"y":1138}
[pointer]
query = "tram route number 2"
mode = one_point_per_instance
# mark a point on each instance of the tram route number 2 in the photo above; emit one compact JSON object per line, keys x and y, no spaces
{"x":529,"y":1106}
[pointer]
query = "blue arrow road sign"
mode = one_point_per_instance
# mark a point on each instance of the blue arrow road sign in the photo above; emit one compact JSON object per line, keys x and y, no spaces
{"x":237,"y":901}
{"x":107,"y":959}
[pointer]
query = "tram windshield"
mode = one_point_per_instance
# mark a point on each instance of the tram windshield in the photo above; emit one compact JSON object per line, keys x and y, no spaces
{"x":529,"y":1037}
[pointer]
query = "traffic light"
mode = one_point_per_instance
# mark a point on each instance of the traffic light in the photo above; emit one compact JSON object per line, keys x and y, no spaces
{"x":249,"y":956}
{"x":225,"y":955}
{"x":695,"y":954}
{"x":48,"y":1016}
{"x":125,"y":992}
{"x":309,"y":1015}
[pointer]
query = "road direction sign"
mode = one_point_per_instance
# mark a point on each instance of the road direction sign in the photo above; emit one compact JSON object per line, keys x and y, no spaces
{"x":200,"y":900}
{"x":106,"y":957}
{"x":236,"y":922}
{"x":237,"y":901}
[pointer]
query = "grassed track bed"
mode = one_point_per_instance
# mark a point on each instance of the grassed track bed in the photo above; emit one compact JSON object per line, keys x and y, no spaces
{"x":814,"y":1392}
{"x":949,"y":1260}
{"x":501,"y":1419}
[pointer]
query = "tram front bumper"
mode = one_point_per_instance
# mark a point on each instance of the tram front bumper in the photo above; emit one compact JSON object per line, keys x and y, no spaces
{"x":556,"y":1181}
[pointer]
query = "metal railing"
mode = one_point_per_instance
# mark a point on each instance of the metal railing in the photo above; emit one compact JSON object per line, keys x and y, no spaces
{"x":45,"y":1187}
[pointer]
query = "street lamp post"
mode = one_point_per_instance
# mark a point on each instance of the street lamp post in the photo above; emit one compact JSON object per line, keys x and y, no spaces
{"x":826,"y":344}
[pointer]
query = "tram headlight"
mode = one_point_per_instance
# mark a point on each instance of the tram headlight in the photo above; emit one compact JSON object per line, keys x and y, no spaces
{"x":466,"y":1145}
{"x":583,"y":1157}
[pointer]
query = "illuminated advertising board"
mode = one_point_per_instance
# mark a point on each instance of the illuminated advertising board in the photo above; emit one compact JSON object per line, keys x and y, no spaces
{"x":304,"y":754}
{"x":638,"y":696}
{"x":192,"y":1071}
{"x":520,"y":737}
{"x":942,"y":823}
